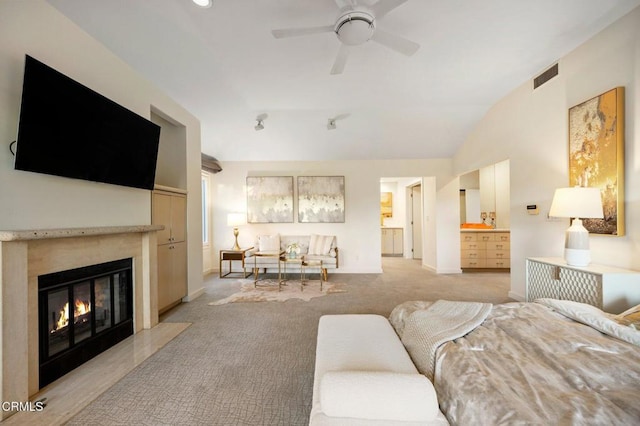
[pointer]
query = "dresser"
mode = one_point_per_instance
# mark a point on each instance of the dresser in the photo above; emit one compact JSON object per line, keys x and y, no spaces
{"x":610,"y":289}
{"x":485,"y":249}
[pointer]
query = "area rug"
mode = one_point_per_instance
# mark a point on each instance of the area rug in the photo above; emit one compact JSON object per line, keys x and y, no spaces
{"x":267,"y":291}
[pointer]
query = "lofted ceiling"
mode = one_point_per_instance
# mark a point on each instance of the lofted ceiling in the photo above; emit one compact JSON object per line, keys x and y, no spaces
{"x":224,"y":66}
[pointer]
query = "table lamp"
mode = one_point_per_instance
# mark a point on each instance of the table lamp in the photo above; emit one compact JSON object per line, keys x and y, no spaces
{"x":577,"y":202}
{"x":235,"y":220}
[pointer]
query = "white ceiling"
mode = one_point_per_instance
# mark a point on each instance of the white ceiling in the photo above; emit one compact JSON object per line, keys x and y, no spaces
{"x":224,"y":66}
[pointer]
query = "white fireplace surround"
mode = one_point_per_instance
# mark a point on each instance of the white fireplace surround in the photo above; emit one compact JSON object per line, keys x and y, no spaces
{"x":24,"y":255}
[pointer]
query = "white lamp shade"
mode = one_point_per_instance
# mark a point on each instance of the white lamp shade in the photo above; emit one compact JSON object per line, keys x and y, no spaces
{"x":236,"y":219}
{"x":577,"y":202}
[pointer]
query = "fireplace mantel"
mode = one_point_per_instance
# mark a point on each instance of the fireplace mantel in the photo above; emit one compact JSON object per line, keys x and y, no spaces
{"x":41,"y":234}
{"x":27,"y":254}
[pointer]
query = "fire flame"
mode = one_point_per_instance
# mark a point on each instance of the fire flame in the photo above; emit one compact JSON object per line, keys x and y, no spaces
{"x":81,"y":308}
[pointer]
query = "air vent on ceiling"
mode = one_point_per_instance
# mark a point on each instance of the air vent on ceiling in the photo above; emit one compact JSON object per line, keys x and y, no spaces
{"x":545,"y":76}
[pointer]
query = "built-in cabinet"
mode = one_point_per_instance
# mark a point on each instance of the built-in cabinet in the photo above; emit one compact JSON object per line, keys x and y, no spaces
{"x":169,"y":209}
{"x":392,"y":241}
{"x":610,"y":289}
{"x":485,"y":249}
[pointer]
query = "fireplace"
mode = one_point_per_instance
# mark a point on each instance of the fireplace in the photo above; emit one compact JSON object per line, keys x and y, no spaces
{"x":81,"y":313}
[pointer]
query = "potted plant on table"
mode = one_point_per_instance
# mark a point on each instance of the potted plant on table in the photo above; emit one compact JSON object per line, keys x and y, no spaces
{"x":293,"y":250}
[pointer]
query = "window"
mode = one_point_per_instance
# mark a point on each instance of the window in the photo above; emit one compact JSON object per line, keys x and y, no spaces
{"x":205,"y":208}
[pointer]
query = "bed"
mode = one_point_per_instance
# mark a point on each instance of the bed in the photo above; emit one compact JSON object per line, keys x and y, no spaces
{"x":548,"y":362}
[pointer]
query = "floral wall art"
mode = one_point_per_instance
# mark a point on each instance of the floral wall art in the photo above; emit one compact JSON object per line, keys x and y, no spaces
{"x":320,"y":199}
{"x":270,"y":199}
{"x":596,"y":156}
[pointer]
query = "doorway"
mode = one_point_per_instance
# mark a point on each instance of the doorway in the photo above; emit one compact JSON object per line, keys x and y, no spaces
{"x":416,"y":221}
{"x":401,"y":217}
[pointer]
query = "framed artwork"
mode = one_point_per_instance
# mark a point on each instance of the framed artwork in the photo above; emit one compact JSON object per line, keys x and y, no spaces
{"x":596,"y":156}
{"x":321,"y":199}
{"x":386,"y":204}
{"x":269,"y":199}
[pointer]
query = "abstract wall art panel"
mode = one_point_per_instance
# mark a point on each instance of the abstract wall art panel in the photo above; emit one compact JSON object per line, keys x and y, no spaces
{"x":596,"y":156}
{"x":321,"y":199}
{"x":269,"y":199}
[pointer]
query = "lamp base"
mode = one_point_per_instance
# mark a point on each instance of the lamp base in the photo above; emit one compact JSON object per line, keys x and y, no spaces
{"x":236,"y":246}
{"x":576,"y":247}
{"x":577,"y":257}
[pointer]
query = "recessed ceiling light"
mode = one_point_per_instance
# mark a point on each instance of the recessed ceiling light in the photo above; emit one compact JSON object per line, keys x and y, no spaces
{"x":203,"y":3}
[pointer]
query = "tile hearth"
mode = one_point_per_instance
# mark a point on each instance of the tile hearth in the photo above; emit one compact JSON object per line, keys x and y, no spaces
{"x":68,"y":395}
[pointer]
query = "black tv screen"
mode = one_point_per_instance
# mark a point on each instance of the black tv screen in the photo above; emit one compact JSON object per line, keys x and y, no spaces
{"x":67,"y":129}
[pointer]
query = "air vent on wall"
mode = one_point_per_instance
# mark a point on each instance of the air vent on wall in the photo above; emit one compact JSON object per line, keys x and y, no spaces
{"x":545,"y":76}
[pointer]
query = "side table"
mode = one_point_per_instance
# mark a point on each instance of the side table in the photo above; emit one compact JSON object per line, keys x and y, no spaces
{"x":234,"y":255}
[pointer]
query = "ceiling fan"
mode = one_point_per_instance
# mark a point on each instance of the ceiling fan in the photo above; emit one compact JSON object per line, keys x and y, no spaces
{"x":355,"y":25}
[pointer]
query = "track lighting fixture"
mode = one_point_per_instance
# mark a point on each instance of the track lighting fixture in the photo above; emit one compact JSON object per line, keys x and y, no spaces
{"x":260,"y":119}
{"x":331,"y":125}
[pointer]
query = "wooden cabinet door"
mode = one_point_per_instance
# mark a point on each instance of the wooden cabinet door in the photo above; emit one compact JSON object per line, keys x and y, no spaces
{"x":179,"y":259}
{"x":387,"y":241}
{"x":178,"y":218}
{"x":398,"y":244}
{"x":165,"y":268}
{"x":161,"y":215}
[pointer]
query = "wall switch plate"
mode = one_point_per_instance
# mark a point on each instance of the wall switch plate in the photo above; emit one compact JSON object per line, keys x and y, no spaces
{"x":532,"y":209}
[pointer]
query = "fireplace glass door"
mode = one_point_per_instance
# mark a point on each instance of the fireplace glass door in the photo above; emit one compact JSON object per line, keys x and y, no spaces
{"x":82,"y":313}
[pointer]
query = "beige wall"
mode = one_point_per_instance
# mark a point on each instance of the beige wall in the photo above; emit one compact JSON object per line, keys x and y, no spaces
{"x":32,"y":200}
{"x":358,"y":237}
{"x":529,"y":127}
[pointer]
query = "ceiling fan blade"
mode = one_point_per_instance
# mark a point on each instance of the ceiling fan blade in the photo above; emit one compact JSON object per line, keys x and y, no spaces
{"x":395,"y":42}
{"x":385,"y":6}
{"x":296,"y":32}
{"x":341,"y":60}
{"x":345,"y":3}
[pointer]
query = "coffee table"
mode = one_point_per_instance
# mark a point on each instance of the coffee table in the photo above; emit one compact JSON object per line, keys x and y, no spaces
{"x":308,"y":263}
{"x":282,"y":272}
{"x":276,"y":254}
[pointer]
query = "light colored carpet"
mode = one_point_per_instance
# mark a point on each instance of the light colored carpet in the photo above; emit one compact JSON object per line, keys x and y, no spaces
{"x":252,"y":363}
{"x":268,"y":291}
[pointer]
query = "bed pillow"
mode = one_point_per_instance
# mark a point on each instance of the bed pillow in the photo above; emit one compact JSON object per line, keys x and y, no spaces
{"x":594,"y":318}
{"x":320,"y":245}
{"x":269,"y":242}
{"x":378,"y":395}
{"x":630,"y":317}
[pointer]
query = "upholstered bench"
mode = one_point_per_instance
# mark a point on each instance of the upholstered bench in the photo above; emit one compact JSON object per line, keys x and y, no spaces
{"x":265,"y":255}
{"x":364,"y":376}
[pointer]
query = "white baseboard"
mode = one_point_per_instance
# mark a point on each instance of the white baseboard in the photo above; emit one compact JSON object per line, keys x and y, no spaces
{"x":516,"y":296}
{"x":193,"y":296}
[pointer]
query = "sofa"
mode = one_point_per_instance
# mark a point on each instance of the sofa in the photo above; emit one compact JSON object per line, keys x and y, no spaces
{"x":265,"y":254}
{"x":364,"y":376}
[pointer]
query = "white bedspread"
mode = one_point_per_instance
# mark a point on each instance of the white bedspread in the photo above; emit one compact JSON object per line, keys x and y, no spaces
{"x":527,"y":364}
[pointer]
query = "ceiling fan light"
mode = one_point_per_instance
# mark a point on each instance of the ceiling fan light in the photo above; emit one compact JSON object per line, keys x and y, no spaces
{"x":203,"y":3}
{"x":355,"y":28}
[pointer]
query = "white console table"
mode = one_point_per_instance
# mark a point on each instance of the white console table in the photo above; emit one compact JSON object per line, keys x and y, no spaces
{"x":610,"y":289}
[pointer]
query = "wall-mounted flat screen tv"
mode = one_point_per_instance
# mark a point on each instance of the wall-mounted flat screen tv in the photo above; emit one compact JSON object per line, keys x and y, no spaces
{"x":67,"y":129}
